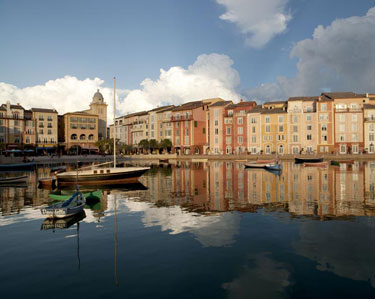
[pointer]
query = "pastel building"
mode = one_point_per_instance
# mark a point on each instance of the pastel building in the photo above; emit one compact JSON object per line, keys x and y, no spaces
{"x":217,"y":127}
{"x":326,"y":125}
{"x":254,"y":137}
{"x":164,"y":123}
{"x":46,"y":124}
{"x":11,"y":124}
{"x":369,"y":128}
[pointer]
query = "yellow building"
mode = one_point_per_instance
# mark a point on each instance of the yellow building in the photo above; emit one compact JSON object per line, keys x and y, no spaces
{"x":99,"y":107}
{"x":11,"y":124}
{"x":46,"y":127}
{"x":274,"y":127}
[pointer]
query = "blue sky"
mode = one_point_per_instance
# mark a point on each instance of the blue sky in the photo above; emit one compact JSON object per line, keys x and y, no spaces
{"x":133,"y":40}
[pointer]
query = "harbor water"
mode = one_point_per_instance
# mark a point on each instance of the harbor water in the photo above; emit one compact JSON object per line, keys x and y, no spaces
{"x":197,"y":230}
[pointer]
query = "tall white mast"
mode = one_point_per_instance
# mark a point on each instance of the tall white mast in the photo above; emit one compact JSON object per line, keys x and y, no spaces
{"x":114,"y":122}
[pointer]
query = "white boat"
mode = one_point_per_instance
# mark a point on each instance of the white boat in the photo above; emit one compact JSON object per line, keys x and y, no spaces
{"x":70,"y":207}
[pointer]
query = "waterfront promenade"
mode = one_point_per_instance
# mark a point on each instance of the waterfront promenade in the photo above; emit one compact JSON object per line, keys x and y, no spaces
{"x":171,"y":157}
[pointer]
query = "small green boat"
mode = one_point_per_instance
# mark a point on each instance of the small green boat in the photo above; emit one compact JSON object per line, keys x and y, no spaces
{"x":93,"y":196}
{"x":335,"y":163}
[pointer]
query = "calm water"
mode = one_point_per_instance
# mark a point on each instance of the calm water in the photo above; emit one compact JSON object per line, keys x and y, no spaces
{"x":211,"y":230}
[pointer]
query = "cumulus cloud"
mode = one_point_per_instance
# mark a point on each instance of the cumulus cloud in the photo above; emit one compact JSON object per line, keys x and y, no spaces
{"x":339,"y":57}
{"x":209,"y":76}
{"x":259,"y":21}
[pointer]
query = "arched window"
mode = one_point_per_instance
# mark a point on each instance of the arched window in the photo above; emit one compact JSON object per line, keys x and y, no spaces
{"x":91,"y":137}
{"x":73,"y":137}
{"x":268,"y":149}
{"x":281,"y":149}
{"x":82,"y":137}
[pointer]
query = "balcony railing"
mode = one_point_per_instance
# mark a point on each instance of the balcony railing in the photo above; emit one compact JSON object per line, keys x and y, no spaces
{"x":182,"y":118}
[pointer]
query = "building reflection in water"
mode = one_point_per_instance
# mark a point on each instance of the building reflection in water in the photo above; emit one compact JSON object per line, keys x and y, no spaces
{"x":347,"y":190}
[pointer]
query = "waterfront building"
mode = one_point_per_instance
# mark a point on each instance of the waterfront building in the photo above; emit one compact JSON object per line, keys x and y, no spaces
{"x":189,"y":122}
{"x":139,"y":127}
{"x":99,"y":107}
{"x":164,"y":123}
{"x":326,"y":125}
{"x":79,"y":129}
{"x":274,"y":127}
{"x":216,"y":128}
{"x":46,"y":126}
{"x":11,"y":125}
{"x":295,"y":121}
{"x":348,"y":120}
{"x":369,"y":128}
{"x":254,"y":138}
{"x":29,"y":128}
{"x":235,"y":121}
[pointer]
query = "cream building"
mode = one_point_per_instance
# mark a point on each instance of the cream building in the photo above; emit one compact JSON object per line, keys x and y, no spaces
{"x":369,"y":127}
{"x":11,"y":124}
{"x":164,"y":123}
{"x":254,"y":138}
{"x":46,"y":126}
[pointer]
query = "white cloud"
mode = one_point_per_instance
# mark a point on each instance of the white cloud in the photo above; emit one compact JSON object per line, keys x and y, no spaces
{"x":209,"y":76}
{"x":339,"y":57}
{"x":259,"y":21}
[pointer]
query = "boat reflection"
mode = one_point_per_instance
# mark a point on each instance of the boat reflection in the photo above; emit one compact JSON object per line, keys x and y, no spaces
{"x":62,"y":223}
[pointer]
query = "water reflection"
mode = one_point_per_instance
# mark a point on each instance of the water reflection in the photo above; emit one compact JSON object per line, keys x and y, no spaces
{"x":342,"y":191}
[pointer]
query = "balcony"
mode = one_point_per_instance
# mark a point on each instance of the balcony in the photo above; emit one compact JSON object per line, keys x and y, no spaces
{"x":370,"y":119}
{"x":182,"y":118}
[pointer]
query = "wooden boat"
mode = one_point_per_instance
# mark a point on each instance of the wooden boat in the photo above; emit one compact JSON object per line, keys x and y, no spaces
{"x":101,"y":176}
{"x":255,"y":165}
{"x":47,"y":183}
{"x":321,"y":164}
{"x":308,"y":160}
{"x":66,"y":194}
{"x":18,"y":166}
{"x":14,"y":180}
{"x":70,"y":207}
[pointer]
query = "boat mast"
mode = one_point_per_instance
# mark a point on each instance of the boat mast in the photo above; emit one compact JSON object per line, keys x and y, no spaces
{"x":114,"y":122}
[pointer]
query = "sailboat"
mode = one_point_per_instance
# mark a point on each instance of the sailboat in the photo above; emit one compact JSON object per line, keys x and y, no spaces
{"x":103,"y":175}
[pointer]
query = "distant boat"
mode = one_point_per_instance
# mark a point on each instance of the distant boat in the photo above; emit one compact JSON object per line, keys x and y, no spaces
{"x":70,"y":207}
{"x":255,"y":165}
{"x":17,"y":166}
{"x":308,"y":160}
{"x":14,"y":180}
{"x":318,"y":164}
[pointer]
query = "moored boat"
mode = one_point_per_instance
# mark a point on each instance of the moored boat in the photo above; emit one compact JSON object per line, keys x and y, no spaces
{"x":274,"y":167}
{"x":254,"y":165}
{"x":14,"y":180}
{"x":70,"y":207}
{"x":66,"y":194}
{"x":308,"y":160}
{"x":98,"y":176}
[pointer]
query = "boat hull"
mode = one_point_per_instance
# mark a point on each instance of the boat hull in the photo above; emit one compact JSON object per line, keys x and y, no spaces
{"x":255,"y":165}
{"x":101,"y":179}
{"x":14,"y":180}
{"x":19,"y":166}
{"x":308,"y":160}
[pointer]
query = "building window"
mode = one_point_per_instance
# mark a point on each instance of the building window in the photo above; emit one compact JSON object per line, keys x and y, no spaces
{"x":295,"y":129}
{"x":295,"y":118}
{"x":323,"y":117}
{"x":371,"y":137}
{"x":195,"y":124}
{"x":73,"y":137}
{"x":309,"y":127}
{"x":268,"y":129}
{"x":240,"y":120}
{"x":354,"y":137}
{"x":240,"y":139}
{"x":295,"y":138}
{"x":49,"y":132}
{"x":342,"y":128}
{"x":91,"y":137}
{"x":281,"y":128}
{"x":342,"y":137}
{"x":216,"y":122}
{"x":253,"y":139}
{"x":228,"y":130}
{"x":228,"y":140}
{"x":267,"y":119}
{"x":230,"y":113}
{"x":216,"y":131}
{"x":323,"y":107}
{"x":281,"y":118}
{"x":253,"y":120}
{"x":41,"y":131}
{"x":324,"y":127}
{"x":354,"y":128}
{"x":240,"y":130}
{"x":324,"y":137}
{"x":41,"y":117}
{"x":309,"y":137}
{"x":342,"y":117}
{"x":308,"y":117}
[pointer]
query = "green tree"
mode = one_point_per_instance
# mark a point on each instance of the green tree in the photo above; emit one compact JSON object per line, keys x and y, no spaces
{"x":144,"y":144}
{"x":166,"y":144}
{"x":154,"y":144}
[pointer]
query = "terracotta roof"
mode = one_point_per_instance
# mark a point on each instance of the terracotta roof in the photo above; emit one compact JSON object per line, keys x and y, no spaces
{"x":13,"y":106}
{"x":256,"y":109}
{"x":274,"y":111}
{"x":161,"y":109}
{"x":43,"y":110}
{"x":190,"y":105}
{"x":275,"y":102}
{"x":241,"y":104}
{"x":342,"y":95}
{"x":221,"y":103}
